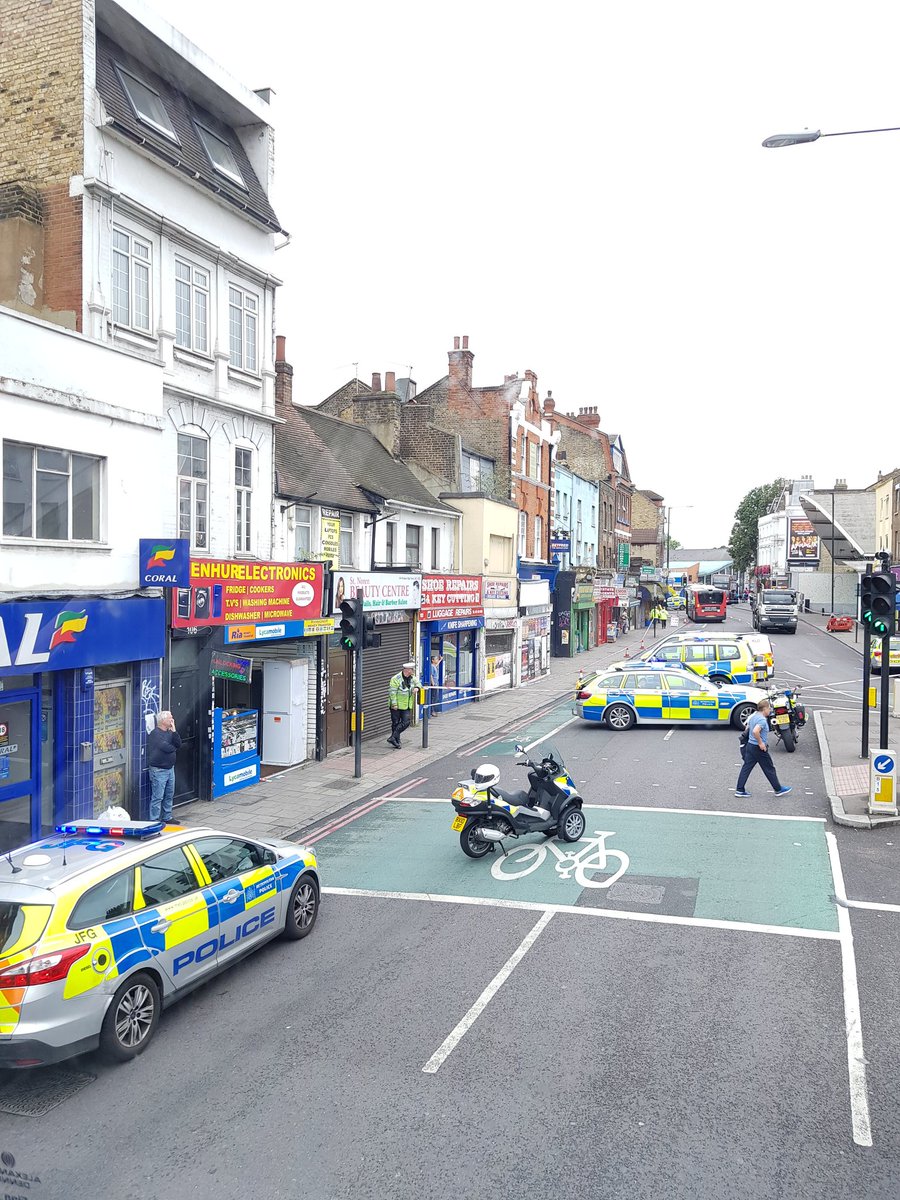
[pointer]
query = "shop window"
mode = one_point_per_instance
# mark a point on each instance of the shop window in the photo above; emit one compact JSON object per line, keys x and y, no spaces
{"x":243,"y":492}
{"x":414,"y":545}
{"x":193,"y":493}
{"x":50,"y":494}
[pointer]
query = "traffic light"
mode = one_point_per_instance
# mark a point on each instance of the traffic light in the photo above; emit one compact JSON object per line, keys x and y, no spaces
{"x":371,"y":639}
{"x":876,"y":603}
{"x":351,"y":624}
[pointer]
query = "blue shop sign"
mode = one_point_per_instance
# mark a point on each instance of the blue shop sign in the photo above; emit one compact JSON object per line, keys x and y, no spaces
{"x":452,"y":624}
{"x":72,"y":632}
{"x":560,"y":545}
{"x":165,"y":562}
{"x":235,"y":750}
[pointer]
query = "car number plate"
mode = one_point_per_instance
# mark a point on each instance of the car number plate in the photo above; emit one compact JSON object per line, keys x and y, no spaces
{"x":784,"y":719}
{"x":459,"y":824}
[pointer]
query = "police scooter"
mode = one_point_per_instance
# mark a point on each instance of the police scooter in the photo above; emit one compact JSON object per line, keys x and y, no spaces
{"x":787,"y":715}
{"x":487,"y":815}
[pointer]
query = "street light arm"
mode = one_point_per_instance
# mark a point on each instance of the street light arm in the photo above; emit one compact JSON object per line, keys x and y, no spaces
{"x":813,"y":135}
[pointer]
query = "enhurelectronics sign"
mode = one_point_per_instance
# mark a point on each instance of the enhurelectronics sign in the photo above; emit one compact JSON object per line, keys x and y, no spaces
{"x":229,"y":592}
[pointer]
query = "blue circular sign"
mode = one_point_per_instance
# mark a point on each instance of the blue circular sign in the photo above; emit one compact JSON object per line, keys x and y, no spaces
{"x":884,"y":763}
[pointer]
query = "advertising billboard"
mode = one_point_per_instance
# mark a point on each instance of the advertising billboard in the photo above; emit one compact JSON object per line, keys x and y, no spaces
{"x":803,"y":543}
{"x":228,"y":592}
{"x":447,"y":596}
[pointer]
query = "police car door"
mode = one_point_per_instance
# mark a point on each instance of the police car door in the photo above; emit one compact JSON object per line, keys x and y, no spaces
{"x":243,"y":881}
{"x":177,"y":917}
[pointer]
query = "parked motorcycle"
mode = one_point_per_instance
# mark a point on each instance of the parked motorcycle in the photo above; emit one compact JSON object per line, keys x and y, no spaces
{"x":787,"y":716}
{"x":487,"y":815}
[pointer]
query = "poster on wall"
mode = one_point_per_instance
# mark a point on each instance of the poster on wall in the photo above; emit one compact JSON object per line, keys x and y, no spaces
{"x":498,"y":671}
{"x":235,"y":750}
{"x":803,"y":543}
{"x":331,"y":535}
{"x":228,"y":592}
{"x":450,"y":596}
{"x":381,"y":590}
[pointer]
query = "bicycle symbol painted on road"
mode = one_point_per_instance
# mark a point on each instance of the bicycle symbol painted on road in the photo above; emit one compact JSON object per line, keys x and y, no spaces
{"x":582,"y":863}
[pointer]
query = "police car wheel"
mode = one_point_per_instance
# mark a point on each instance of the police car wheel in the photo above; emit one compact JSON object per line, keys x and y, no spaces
{"x":303,"y":908}
{"x":619,"y":717}
{"x":131,"y":1018}
{"x":742,"y":714}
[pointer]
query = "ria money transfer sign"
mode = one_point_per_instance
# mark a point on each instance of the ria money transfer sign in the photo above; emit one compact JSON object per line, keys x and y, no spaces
{"x":227,"y":592}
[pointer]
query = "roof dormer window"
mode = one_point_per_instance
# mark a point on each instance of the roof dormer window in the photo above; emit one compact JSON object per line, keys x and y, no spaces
{"x":220,"y":155}
{"x":147,"y":104}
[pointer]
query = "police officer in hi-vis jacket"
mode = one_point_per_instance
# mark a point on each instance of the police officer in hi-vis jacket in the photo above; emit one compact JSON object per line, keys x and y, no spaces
{"x":402,"y":697}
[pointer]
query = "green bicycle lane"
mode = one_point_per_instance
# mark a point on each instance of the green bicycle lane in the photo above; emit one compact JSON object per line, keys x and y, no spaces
{"x":770,"y":871}
{"x":529,"y":730}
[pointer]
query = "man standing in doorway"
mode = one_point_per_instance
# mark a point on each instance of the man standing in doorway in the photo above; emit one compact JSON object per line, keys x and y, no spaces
{"x":402,"y":697}
{"x":163,"y":744}
{"x":434,"y":680}
{"x":756,"y":753}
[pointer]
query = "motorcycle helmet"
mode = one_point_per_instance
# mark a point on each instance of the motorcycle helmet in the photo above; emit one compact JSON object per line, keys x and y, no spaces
{"x":486,"y":776}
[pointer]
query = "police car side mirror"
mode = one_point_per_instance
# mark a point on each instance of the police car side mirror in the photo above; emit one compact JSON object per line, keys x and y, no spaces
{"x":270,"y":858}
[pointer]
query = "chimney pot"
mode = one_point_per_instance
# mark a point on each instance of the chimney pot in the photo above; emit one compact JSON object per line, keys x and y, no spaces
{"x":456,"y":343}
{"x":465,"y":345}
{"x":376,"y":381}
{"x":390,"y":381}
{"x":279,"y":348}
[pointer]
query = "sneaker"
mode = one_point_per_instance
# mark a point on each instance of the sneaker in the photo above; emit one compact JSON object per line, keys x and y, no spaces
{"x":784,"y":791}
{"x":742,"y":795}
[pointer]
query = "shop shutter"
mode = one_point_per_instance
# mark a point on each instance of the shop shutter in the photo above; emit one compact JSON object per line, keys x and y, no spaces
{"x":381,"y":665}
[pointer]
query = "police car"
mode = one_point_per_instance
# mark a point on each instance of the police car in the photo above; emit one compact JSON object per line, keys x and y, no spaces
{"x":875,"y":655}
{"x":102,"y":926}
{"x":660,"y":693}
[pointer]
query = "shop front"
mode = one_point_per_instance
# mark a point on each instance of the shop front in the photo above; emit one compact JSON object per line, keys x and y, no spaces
{"x":606,"y":600}
{"x":501,"y":626}
{"x":393,"y":600}
{"x":450,"y":623}
{"x":243,"y":671}
{"x":584,"y":616}
{"x":535,"y":611}
{"x":79,"y":690}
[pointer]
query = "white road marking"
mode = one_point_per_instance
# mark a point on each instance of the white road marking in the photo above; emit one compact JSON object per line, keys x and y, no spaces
{"x":453,"y":1039}
{"x":818,"y":666}
{"x":531,"y":745}
{"x":856,"y":1061}
{"x":818,"y":935}
{"x":650,"y":808}
{"x":668,"y":735}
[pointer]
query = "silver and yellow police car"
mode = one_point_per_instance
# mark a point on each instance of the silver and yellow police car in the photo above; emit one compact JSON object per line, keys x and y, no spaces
{"x":875,"y":655}
{"x":658,"y":693}
{"x":102,"y":926}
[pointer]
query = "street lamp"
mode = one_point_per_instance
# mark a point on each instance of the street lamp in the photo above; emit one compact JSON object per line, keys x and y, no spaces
{"x":669,"y":534}
{"x":813,"y":135}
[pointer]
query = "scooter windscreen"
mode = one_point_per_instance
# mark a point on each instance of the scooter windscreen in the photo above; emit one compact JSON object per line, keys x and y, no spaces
{"x":548,"y":756}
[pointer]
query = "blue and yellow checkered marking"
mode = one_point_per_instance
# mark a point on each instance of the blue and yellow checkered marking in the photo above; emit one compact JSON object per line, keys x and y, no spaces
{"x":663,"y":706}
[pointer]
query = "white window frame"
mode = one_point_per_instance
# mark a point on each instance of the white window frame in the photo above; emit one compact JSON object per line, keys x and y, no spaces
{"x":348,"y":528}
{"x":249,"y":312}
{"x":197,"y":492}
{"x":209,"y":137}
{"x":36,"y":469}
{"x":435,"y":548}
{"x":302,"y":520}
{"x":137,"y":263}
{"x":243,"y":501}
{"x":523,"y":533}
{"x":538,"y":537}
{"x":198,"y":340}
{"x":390,"y":542}
{"x":417,"y":561}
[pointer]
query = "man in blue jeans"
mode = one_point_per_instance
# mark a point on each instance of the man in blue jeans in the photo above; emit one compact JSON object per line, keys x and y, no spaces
{"x":756,"y":753}
{"x":163,"y":744}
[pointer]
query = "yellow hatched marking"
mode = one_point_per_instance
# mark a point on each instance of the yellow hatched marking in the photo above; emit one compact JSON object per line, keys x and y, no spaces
{"x":10,"y":1003}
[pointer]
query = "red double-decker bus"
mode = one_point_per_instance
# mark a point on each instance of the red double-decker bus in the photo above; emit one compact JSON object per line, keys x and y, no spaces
{"x":705,"y":603}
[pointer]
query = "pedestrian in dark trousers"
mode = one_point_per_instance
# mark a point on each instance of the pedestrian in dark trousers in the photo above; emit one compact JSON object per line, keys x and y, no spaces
{"x":402,"y":699}
{"x":756,"y":753}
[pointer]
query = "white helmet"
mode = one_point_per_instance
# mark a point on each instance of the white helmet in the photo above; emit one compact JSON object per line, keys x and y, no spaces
{"x":486,"y":776}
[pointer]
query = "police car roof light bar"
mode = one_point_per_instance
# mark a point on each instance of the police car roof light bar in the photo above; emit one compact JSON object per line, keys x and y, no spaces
{"x":136,"y":829}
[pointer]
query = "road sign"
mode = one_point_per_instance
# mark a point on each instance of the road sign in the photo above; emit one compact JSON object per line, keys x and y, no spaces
{"x":883,"y":783}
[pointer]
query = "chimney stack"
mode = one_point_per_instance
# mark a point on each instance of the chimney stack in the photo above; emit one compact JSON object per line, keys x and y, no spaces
{"x":550,"y":404}
{"x":376,"y":381}
{"x":284,"y":376}
{"x":465,"y":344}
{"x":460,"y":367}
{"x":390,"y":381}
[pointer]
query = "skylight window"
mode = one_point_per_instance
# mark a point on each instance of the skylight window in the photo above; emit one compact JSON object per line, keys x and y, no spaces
{"x":220,"y":155}
{"x":147,"y":104}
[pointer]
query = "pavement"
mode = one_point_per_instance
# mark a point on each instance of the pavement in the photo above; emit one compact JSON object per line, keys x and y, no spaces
{"x":293,"y":800}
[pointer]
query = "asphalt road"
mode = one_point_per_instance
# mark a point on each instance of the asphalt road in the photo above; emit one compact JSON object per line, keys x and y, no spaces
{"x":688,"y":1040}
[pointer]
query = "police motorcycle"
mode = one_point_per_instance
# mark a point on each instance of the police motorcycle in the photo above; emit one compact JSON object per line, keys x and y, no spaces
{"x":787,"y":716}
{"x":486,"y":814}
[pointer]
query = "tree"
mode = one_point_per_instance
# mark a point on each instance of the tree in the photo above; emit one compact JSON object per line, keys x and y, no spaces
{"x":745,"y":531}
{"x":673,"y":543}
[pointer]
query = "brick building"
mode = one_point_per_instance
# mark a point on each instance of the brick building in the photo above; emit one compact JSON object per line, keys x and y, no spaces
{"x":648,"y":528}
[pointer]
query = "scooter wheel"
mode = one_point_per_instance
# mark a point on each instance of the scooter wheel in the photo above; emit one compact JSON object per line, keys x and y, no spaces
{"x":475,"y":846}
{"x":571,"y":825}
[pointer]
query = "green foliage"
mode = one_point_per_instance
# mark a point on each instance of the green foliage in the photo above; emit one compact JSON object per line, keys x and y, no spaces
{"x":745,"y":531}
{"x":673,"y":543}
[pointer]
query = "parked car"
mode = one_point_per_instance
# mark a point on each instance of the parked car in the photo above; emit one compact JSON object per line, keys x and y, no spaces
{"x":658,"y":693}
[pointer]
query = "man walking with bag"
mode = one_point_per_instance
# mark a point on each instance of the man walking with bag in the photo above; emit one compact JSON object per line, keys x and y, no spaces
{"x":756,"y":753}
{"x":402,"y":697}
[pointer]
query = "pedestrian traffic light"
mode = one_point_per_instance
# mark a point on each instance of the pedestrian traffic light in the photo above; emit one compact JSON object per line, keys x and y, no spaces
{"x":351,"y":624}
{"x":876,"y":603}
{"x":371,"y":639}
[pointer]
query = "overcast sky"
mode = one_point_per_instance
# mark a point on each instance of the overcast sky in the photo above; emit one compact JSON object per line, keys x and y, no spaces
{"x":581,"y":189}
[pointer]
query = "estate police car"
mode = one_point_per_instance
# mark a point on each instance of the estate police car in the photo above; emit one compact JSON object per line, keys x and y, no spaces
{"x":659,"y":692}
{"x":102,"y":926}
